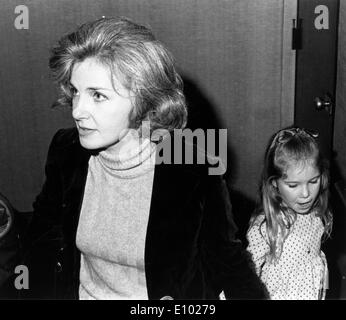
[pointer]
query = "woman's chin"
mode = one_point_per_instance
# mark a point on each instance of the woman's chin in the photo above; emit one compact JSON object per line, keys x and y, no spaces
{"x":89,"y":144}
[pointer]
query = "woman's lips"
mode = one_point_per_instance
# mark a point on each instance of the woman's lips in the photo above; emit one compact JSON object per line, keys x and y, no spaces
{"x":85,"y":131}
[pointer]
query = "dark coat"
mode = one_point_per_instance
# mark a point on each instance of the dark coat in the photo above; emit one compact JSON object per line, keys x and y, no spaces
{"x":190,"y":252}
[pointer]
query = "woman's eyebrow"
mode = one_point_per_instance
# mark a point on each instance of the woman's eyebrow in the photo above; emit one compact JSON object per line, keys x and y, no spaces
{"x":99,"y":88}
{"x":92,"y":88}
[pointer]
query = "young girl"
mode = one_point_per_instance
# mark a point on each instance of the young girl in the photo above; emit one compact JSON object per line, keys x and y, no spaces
{"x":285,"y":233}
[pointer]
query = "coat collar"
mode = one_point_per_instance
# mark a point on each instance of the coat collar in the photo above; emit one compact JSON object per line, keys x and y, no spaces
{"x":169,"y":179}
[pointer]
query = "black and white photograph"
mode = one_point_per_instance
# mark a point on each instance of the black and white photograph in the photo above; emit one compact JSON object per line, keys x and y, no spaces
{"x":183,"y":150}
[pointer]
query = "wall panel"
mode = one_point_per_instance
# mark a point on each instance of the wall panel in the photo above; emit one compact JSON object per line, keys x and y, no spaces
{"x":233,"y":55}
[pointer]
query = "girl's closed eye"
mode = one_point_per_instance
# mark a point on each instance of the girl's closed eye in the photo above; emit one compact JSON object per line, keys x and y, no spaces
{"x":314,"y":181}
{"x":290,"y":185}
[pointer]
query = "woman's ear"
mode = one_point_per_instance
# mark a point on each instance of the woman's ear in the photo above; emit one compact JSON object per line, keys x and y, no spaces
{"x":274,"y":183}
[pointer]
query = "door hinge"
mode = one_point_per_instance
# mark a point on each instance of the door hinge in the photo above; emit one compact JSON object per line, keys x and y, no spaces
{"x":297,"y":34}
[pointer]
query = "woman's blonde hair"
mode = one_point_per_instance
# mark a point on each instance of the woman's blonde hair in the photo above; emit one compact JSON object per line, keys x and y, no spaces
{"x":141,"y":63}
{"x":292,"y":145}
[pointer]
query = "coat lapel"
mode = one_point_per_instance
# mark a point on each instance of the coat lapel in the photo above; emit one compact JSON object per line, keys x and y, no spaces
{"x":171,"y":230}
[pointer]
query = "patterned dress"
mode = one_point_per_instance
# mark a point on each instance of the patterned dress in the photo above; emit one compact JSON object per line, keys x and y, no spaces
{"x":301,"y":272}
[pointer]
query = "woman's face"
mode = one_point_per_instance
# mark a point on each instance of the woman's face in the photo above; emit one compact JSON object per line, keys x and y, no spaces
{"x":300,"y":186}
{"x":101,"y":114}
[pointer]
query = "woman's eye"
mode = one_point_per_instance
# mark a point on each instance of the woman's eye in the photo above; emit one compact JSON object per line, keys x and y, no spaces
{"x":73,"y":91}
{"x":314,"y":181}
{"x":99,"y":96}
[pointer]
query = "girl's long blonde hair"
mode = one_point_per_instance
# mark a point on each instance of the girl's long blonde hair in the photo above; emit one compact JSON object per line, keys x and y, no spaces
{"x":292,"y":145}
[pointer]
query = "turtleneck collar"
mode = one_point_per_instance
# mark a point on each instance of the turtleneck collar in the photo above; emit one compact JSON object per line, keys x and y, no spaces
{"x":132,"y":156}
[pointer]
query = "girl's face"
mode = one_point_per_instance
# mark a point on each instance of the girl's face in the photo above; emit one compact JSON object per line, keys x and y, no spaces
{"x":101,"y":114}
{"x":300,"y":186}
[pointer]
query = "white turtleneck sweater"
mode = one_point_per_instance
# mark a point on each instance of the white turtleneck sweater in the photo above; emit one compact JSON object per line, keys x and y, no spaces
{"x":113,"y":222}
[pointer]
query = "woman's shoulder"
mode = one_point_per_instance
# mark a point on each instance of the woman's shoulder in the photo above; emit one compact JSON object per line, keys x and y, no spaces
{"x":192,"y":153}
{"x":65,"y":137}
{"x":65,"y":147}
{"x":181,"y":155}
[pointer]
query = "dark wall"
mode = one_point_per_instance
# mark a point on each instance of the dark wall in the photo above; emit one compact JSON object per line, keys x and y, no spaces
{"x":230,"y":54}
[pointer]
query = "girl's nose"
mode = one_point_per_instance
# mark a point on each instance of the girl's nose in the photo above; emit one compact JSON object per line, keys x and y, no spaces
{"x":305,"y":191}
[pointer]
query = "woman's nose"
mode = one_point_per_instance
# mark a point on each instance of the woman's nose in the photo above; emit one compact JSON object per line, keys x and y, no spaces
{"x":79,"y":108}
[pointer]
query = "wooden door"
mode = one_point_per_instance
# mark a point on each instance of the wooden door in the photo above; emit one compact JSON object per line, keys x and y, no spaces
{"x":316,"y":68}
{"x":315,"y":101}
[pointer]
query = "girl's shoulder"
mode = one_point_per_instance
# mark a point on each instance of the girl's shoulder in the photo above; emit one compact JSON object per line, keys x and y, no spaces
{"x":257,"y":230}
{"x":258,"y":224}
{"x":258,"y":220}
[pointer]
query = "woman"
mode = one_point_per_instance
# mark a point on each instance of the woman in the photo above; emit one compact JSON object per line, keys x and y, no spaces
{"x":130,"y":228}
